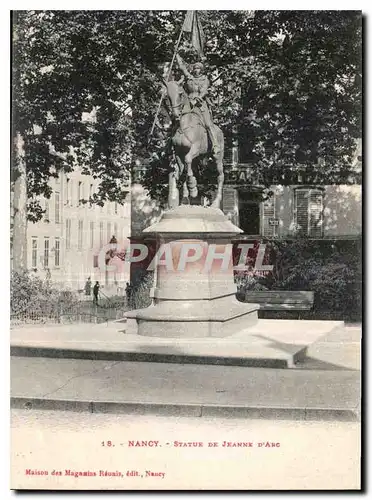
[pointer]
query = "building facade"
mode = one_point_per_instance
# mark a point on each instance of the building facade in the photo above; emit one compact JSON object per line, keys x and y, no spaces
{"x":302,"y":209}
{"x":296,"y":205}
{"x":66,"y":244}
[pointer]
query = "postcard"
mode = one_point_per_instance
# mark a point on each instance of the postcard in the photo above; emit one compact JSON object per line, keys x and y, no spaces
{"x":186,"y":242}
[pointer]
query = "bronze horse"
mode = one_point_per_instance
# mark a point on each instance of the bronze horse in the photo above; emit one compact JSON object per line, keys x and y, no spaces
{"x":190,"y":142}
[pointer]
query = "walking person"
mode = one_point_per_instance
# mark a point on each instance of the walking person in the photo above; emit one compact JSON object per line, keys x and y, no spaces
{"x":88,"y":287}
{"x":95,"y":293}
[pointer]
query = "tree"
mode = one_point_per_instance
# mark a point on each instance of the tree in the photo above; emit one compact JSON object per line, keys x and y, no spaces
{"x":290,"y":85}
{"x":19,"y":203}
{"x":62,"y":73}
{"x":291,"y":92}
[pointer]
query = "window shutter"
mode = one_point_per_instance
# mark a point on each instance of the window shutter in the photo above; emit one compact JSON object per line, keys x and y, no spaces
{"x":231,"y":155}
{"x":228,"y":156}
{"x":268,"y":208}
{"x":230,"y":204}
{"x":309,"y":212}
{"x":302,"y":212}
{"x":315,"y":213}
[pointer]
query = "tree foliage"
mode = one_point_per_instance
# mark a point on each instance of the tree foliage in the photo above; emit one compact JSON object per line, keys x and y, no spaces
{"x":29,"y":293}
{"x":289,"y":87}
{"x":331,"y":269}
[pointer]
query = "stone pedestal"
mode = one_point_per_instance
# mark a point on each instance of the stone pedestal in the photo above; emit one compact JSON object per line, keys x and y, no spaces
{"x":194,"y":292}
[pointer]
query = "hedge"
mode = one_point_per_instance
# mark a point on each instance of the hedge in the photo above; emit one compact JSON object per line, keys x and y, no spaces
{"x":331,"y":269}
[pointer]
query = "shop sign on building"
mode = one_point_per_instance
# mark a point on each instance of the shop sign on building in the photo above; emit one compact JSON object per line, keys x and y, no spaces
{"x":240,"y":175}
{"x":273,"y":222}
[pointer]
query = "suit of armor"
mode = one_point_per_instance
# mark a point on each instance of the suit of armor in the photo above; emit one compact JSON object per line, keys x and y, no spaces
{"x":197,"y":86}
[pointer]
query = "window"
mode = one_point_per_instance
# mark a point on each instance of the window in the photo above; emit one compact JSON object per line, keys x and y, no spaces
{"x":251,"y":118}
{"x":90,"y":191}
{"x":79,"y":192}
{"x":46,"y":252}
{"x":101,"y":234}
{"x":80,"y":235}
{"x":116,"y":207}
{"x":268,"y":217}
{"x":68,"y":191}
{"x":56,"y":207}
{"x":34,"y":252}
{"x":109,"y":231}
{"x":47,"y":215}
{"x":68,"y":233}
{"x":56,"y":252}
{"x":116,"y":230}
{"x":249,"y":212}
{"x":309,"y":212}
{"x":231,"y":156}
{"x":91,"y":227}
{"x":230,"y":204}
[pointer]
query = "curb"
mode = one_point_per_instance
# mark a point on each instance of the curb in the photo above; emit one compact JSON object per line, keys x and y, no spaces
{"x":187,"y":409}
{"x":52,"y":352}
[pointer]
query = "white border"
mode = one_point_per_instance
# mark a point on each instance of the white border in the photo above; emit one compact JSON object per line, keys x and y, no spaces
{"x":191,"y":4}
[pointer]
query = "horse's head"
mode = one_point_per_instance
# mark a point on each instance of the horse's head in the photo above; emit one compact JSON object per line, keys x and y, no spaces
{"x":175,"y":94}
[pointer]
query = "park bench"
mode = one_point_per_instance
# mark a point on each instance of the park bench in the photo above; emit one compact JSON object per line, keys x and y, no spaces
{"x":281,"y":300}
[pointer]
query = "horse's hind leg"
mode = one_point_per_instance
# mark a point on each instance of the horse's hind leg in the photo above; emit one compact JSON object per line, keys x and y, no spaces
{"x":220,"y":179}
{"x":191,"y":179}
{"x":192,"y":186}
{"x":185,"y":194}
{"x":173,"y":193}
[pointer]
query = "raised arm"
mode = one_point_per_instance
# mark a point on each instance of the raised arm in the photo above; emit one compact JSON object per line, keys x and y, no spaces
{"x":182,"y":67}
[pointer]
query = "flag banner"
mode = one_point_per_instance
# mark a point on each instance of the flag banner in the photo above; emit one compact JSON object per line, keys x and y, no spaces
{"x":193,"y":25}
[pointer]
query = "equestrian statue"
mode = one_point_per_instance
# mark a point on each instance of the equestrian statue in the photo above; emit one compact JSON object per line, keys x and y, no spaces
{"x":195,"y":135}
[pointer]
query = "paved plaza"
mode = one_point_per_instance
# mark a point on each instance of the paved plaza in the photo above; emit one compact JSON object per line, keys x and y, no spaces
{"x":325,"y":385}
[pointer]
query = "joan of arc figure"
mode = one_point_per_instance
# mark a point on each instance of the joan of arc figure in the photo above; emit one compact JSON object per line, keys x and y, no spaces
{"x":196,"y":86}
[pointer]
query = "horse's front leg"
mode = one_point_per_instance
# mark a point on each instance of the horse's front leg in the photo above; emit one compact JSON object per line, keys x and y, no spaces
{"x":220,"y":180}
{"x":173,"y":194}
{"x":182,"y":178}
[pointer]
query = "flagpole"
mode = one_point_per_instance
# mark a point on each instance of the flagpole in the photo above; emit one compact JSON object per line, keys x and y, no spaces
{"x":166,"y":81}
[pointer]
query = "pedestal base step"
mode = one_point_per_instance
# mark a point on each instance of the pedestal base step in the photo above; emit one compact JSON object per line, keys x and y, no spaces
{"x":210,"y":319}
{"x":269,"y":343}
